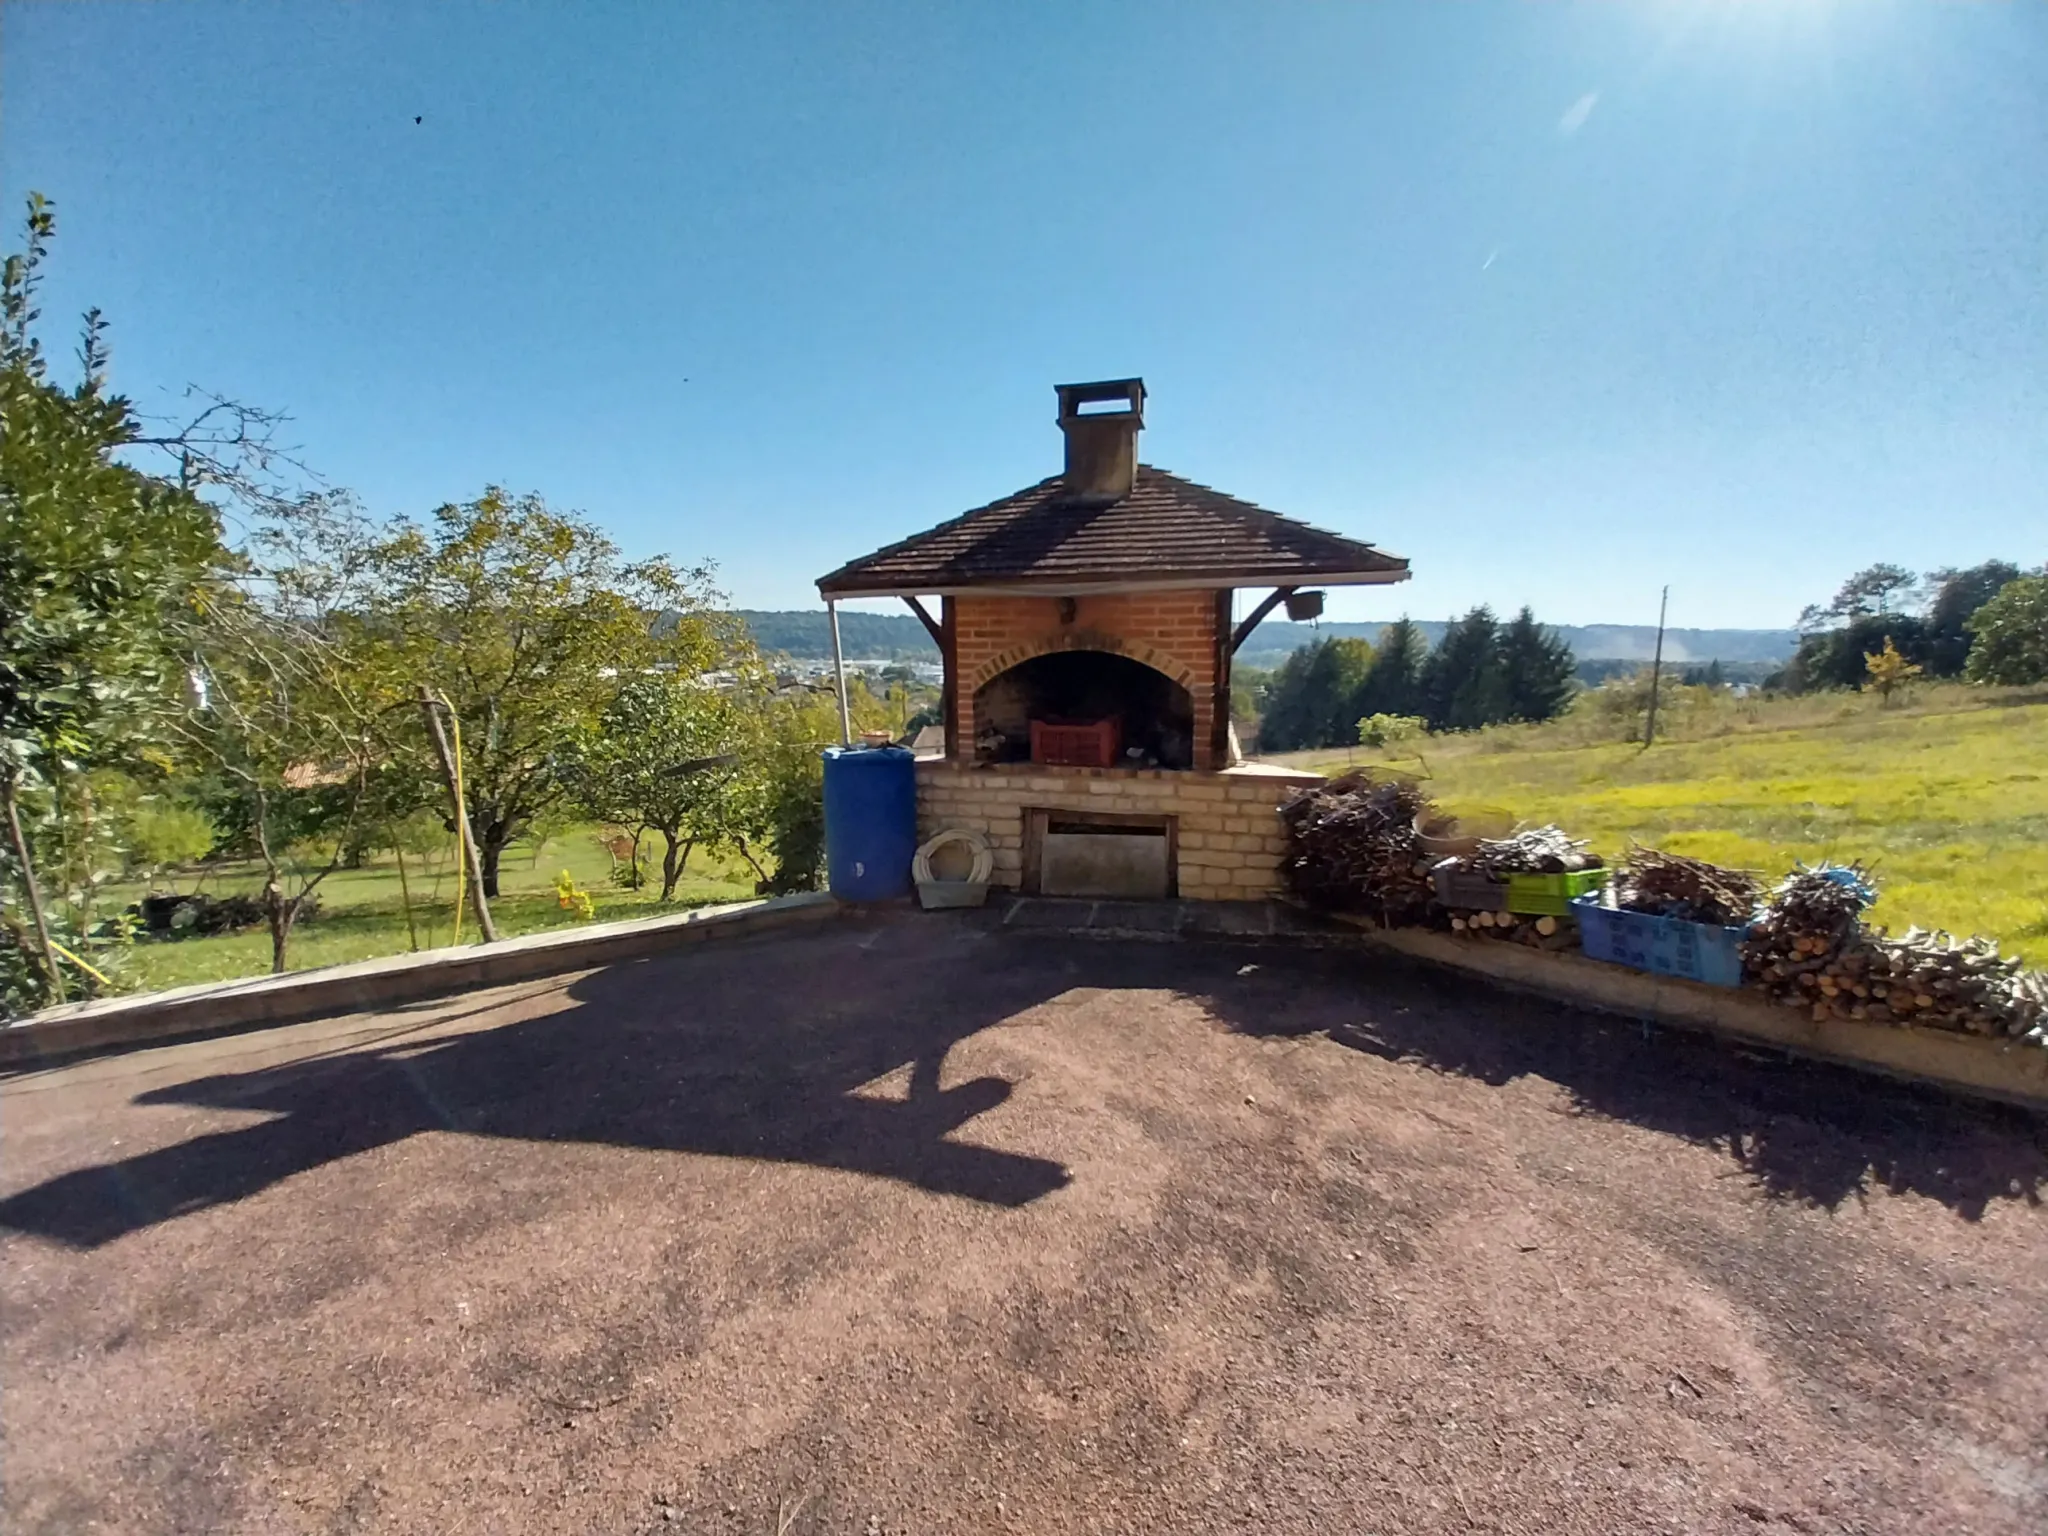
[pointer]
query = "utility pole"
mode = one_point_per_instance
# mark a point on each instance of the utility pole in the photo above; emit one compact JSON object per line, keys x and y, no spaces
{"x":451,"y":774}
{"x":1656,"y":669}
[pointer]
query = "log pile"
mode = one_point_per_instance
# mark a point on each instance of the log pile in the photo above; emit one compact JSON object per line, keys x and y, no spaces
{"x":1929,"y":980}
{"x":1352,"y":847}
{"x":1813,"y":919}
{"x":1550,"y":933}
{"x":1538,"y":851}
{"x":1937,"y":982}
{"x":1671,"y":885}
{"x":1812,"y":951}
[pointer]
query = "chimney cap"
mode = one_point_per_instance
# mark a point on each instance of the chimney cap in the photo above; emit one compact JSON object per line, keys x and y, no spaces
{"x":1074,"y":396}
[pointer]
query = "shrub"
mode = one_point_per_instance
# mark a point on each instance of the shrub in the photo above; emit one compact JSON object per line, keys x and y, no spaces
{"x":162,"y":834}
{"x":1390,"y":730}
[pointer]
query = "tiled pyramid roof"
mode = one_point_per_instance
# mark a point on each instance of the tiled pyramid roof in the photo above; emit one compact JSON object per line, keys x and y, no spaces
{"x":1167,"y":531}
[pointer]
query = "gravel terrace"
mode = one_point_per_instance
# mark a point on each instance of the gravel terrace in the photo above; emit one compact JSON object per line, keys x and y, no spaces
{"x":911,"y":1224}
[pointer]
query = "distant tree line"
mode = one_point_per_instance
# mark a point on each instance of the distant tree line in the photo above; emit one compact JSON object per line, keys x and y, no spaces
{"x":870,"y":636}
{"x":1987,"y":623}
{"x":1713,"y":673}
{"x":1482,"y":672}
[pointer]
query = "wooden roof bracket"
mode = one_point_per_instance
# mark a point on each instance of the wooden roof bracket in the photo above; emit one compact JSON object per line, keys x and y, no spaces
{"x":924,"y":617}
{"x":1256,"y":617}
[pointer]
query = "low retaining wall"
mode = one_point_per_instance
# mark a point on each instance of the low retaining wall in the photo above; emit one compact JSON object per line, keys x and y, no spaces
{"x":258,"y":1002}
{"x":2007,"y":1070}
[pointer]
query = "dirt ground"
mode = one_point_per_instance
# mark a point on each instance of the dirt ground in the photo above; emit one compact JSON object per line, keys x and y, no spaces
{"x":911,"y":1224}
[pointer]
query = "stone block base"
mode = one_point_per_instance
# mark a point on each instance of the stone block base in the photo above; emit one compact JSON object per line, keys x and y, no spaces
{"x":1229,"y":837}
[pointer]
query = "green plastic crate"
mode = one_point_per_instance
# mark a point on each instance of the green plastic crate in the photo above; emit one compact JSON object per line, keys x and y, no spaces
{"x":1551,"y":895}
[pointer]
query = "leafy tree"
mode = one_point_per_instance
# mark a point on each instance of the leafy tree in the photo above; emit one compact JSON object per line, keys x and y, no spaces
{"x":654,"y":761}
{"x":291,"y":703}
{"x":2011,"y":632}
{"x":1958,"y":594}
{"x":1878,"y":589}
{"x":1464,"y":683}
{"x":1393,"y":683}
{"x":97,"y":560}
{"x":1537,"y":669}
{"x":1834,"y":658}
{"x":1888,"y":669}
{"x":529,"y":621}
{"x":775,"y":811}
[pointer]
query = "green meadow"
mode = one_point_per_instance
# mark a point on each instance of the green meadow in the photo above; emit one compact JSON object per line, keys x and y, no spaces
{"x":1944,"y":794}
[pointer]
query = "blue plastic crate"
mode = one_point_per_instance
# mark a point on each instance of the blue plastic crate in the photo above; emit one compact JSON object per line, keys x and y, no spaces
{"x":1667,"y":946}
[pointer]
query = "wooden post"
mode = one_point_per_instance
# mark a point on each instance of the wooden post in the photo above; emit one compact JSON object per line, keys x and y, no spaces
{"x":31,"y":889}
{"x":1225,"y":646}
{"x":1656,"y":670}
{"x":412,"y":932}
{"x":451,"y":775}
{"x":949,"y":674}
{"x":839,"y":672}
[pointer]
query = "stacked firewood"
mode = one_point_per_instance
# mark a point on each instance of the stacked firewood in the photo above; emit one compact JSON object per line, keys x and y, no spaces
{"x":1812,"y":920}
{"x":1671,"y":885}
{"x":1538,"y":851}
{"x":1938,"y":982}
{"x":1551,"y":933}
{"x":1812,"y":951}
{"x":1352,"y":847}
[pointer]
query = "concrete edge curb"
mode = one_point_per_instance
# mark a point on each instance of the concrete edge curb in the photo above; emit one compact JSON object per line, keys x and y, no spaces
{"x":261,"y":1002}
{"x":2004,"y":1070}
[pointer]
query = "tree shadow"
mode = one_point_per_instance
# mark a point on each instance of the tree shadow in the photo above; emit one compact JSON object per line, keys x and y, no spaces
{"x":1802,"y":1130}
{"x":724,"y":1055}
{"x":759,"y":1050}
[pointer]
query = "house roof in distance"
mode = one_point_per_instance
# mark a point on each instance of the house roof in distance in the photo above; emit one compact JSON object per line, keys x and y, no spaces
{"x":1168,"y":532}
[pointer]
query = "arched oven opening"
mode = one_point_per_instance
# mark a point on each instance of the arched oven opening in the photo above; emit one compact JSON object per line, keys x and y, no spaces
{"x":1085,"y":709}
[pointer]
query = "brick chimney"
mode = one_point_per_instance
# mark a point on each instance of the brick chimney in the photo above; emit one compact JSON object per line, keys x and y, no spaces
{"x":1102,"y":445}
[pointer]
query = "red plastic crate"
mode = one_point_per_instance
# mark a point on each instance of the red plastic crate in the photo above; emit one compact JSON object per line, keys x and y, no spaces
{"x":1068,"y":744}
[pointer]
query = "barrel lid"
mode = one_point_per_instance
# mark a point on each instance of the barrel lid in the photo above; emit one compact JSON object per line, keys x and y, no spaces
{"x":870,"y":753}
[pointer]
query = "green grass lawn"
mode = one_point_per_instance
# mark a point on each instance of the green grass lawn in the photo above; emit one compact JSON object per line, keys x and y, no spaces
{"x":1945,"y":797}
{"x":363,"y":916}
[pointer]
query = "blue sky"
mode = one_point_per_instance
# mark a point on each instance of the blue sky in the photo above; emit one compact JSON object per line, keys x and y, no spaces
{"x":1562,"y":302}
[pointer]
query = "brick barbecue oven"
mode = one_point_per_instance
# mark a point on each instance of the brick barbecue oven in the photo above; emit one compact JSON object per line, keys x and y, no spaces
{"x":1086,"y":626}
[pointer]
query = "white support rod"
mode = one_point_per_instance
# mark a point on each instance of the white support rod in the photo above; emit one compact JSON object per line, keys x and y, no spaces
{"x":839,"y":674}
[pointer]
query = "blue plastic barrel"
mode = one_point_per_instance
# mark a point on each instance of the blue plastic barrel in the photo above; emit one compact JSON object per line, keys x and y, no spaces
{"x":870,"y":821}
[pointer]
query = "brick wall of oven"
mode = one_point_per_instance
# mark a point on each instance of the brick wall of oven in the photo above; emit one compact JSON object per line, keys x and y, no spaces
{"x":1229,"y":825}
{"x":1172,"y":632}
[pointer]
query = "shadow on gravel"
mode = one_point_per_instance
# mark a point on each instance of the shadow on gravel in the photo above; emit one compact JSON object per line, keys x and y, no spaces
{"x":1803,"y":1130}
{"x":757,"y":1052}
{"x":736,"y":1058}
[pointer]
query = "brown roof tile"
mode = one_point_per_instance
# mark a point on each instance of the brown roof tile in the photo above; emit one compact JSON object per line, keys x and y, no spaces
{"x":1167,"y":530}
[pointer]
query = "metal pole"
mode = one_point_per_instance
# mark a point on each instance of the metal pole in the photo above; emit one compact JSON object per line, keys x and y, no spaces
{"x":1656,"y":669}
{"x":451,"y":775}
{"x":839,"y":672}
